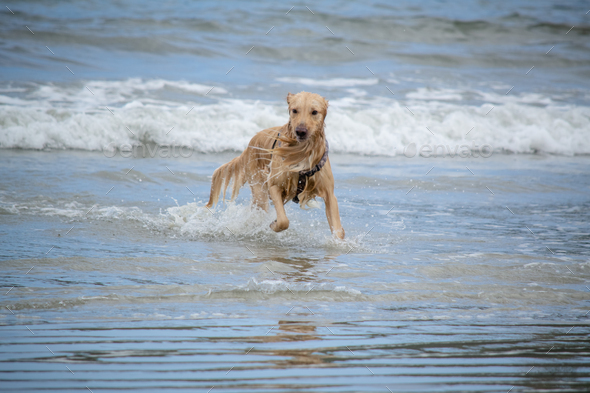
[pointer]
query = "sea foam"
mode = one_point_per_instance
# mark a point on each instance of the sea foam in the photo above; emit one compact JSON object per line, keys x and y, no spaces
{"x":136,"y":112}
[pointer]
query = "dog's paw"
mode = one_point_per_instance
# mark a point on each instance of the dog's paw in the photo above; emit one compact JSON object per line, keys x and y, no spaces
{"x":339,"y":234}
{"x":278,"y":228}
{"x":313,"y":204}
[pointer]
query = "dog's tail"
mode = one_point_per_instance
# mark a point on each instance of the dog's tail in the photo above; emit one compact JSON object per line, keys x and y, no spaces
{"x":236,"y":170}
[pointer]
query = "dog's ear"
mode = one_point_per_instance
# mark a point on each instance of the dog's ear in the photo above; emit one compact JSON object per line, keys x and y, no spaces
{"x":289,"y":97}
{"x":324,"y":104}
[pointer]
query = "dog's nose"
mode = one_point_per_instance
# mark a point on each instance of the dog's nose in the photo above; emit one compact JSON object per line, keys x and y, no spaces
{"x":301,"y":131}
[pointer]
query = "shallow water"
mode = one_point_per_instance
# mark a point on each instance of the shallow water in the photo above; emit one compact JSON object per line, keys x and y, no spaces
{"x":464,"y":271}
{"x":437,"y":287}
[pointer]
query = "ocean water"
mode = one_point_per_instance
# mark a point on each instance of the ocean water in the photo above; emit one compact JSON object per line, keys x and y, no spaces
{"x":460,"y":146}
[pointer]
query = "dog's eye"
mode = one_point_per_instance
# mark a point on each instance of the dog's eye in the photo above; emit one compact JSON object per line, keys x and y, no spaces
{"x":294,"y":110}
{"x":314,"y":112}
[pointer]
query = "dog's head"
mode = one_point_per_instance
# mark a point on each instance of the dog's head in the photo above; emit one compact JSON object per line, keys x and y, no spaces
{"x":307,"y":112}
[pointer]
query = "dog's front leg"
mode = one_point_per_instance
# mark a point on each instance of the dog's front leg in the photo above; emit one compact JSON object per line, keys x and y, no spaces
{"x":282,"y":222}
{"x":333,"y":215}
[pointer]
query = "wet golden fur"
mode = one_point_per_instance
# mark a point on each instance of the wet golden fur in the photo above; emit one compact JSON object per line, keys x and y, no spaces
{"x":274,"y":173}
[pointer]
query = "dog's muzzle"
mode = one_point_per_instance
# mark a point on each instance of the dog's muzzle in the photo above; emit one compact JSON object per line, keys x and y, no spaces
{"x":301,"y":132}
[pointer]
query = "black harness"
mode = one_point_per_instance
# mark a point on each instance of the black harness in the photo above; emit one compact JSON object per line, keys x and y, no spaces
{"x":303,"y":175}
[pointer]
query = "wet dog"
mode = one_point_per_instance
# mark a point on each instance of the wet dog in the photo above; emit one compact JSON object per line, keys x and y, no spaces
{"x":286,"y":163}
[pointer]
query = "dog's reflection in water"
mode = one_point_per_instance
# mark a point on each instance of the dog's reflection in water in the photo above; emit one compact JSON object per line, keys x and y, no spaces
{"x":294,"y":331}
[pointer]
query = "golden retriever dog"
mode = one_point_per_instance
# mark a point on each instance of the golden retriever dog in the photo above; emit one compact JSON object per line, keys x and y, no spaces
{"x":286,"y":163}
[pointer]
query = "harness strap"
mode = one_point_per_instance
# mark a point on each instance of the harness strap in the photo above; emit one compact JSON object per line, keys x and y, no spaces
{"x":303,"y":175}
{"x":275,"y":143}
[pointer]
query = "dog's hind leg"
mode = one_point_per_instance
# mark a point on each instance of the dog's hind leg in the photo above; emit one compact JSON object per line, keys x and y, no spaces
{"x":259,"y":195}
